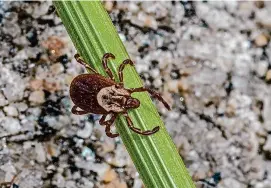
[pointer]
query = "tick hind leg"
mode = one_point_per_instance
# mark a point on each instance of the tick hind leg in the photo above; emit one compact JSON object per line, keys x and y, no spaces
{"x":108,"y":124}
{"x":105,"y":61}
{"x":121,"y":68}
{"x":82,"y":62}
{"x":137,"y":130}
{"x":154,"y":94}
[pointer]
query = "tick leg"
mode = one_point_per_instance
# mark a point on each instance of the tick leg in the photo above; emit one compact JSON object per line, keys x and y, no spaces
{"x":82,"y":62}
{"x":108,"y":124}
{"x":78,"y":112}
{"x":104,"y":61}
{"x":137,"y":130}
{"x":102,"y":120}
{"x":121,"y":68}
{"x":153,"y":94}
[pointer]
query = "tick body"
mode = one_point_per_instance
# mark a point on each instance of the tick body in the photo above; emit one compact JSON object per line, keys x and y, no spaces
{"x":94,"y":93}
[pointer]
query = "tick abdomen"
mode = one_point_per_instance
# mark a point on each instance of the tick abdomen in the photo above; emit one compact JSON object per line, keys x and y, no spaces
{"x":84,"y":90}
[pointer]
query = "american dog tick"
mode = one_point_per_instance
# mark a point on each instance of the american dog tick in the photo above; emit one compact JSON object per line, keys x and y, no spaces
{"x":94,"y":93}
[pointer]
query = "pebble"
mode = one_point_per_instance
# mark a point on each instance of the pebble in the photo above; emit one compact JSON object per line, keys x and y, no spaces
{"x":57,"y":68}
{"x":262,"y":68}
{"x":108,"y":5}
{"x":145,"y":20}
{"x":37,"y":97}
{"x":86,"y":131}
{"x":132,"y":7}
{"x":229,"y":182}
{"x":263,"y":17}
{"x":109,"y":175}
{"x":267,"y":145}
{"x":11,"y":111}
{"x":11,"y":125}
{"x":116,"y":183}
{"x":268,"y":75}
{"x":261,"y":40}
{"x":40,"y":153}
{"x":3,"y":101}
{"x":36,"y":84}
{"x":21,"y":106}
{"x":173,"y":86}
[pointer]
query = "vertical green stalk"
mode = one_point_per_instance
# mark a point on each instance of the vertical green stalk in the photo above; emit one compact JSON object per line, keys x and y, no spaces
{"x":155,"y":156}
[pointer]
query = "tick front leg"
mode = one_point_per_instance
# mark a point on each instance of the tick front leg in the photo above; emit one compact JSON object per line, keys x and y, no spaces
{"x":121,"y":68}
{"x":78,"y":112}
{"x":105,"y":61}
{"x":137,"y":130}
{"x":153,"y":94}
{"x":82,"y":62}
{"x":108,"y":124}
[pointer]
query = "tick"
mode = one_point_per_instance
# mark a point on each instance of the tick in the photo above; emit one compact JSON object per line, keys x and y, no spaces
{"x":94,"y":93}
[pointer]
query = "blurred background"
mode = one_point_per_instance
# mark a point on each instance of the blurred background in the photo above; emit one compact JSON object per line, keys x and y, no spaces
{"x":210,"y":60}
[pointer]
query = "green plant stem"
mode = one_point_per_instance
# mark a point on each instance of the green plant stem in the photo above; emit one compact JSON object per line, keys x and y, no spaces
{"x":155,"y":156}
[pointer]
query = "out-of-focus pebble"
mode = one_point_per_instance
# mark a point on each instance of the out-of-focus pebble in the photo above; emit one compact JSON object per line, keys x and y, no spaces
{"x":268,"y":75}
{"x":109,"y":175}
{"x":40,"y":153}
{"x":37,"y":97}
{"x":3,"y":101}
{"x":11,"y":125}
{"x":261,"y":40}
{"x":262,"y":68}
{"x":11,"y":111}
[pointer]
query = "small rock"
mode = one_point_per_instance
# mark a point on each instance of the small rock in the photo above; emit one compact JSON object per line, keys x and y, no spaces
{"x":183,"y":85}
{"x":86,"y":132}
{"x":261,"y":40}
{"x":37,"y":97}
{"x":173,"y":86}
{"x":268,"y":75}
{"x":11,"y":111}
{"x":52,"y":85}
{"x":146,"y":20}
{"x":109,"y":175}
{"x":157,"y":82}
{"x":259,"y":4}
{"x":11,"y":125}
{"x":57,"y":68}
{"x":267,"y":146}
{"x":138,"y":183}
{"x":230,"y":182}
{"x":262,"y":16}
{"x":36,"y":84}
{"x":3,"y":101}
{"x":116,"y":183}
{"x":21,"y":106}
{"x":262,"y":68}
{"x":109,"y":5}
{"x":40,"y":153}
{"x":132,"y":7}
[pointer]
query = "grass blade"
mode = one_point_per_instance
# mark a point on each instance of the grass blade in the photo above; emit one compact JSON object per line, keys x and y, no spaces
{"x":93,"y":34}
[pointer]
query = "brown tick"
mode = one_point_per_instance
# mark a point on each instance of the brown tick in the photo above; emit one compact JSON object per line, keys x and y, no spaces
{"x":94,"y":93}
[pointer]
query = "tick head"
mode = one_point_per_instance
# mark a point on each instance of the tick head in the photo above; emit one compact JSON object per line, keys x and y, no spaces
{"x":131,"y":103}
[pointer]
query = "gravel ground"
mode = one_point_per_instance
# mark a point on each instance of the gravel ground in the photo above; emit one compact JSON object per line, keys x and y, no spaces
{"x":210,"y":60}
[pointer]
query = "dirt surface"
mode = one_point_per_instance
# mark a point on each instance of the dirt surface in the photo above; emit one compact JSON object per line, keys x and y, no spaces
{"x":210,"y":60}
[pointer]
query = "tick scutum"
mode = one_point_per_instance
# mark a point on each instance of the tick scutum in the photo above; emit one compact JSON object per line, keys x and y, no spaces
{"x":84,"y":90}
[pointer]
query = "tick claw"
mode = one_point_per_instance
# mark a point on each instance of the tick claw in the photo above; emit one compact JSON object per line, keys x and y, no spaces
{"x":155,"y":129}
